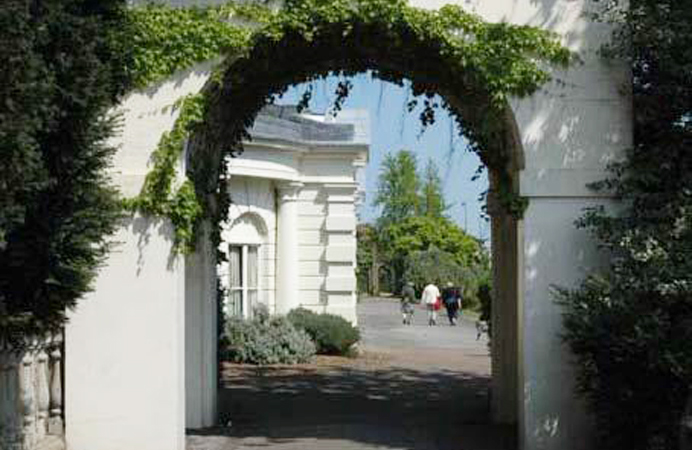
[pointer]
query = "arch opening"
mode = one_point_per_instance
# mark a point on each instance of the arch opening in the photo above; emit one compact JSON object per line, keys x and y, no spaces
{"x":492,"y":133}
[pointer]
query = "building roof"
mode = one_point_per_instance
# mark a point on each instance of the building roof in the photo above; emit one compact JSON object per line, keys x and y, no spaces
{"x":285,"y":123}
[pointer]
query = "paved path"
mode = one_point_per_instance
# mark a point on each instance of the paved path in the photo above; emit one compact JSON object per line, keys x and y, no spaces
{"x":441,"y":346}
{"x":414,"y":388}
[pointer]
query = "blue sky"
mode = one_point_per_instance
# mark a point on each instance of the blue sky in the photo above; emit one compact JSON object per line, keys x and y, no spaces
{"x":392,"y":128}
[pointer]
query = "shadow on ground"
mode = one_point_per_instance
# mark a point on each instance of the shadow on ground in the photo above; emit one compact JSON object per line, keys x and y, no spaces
{"x":362,"y":403}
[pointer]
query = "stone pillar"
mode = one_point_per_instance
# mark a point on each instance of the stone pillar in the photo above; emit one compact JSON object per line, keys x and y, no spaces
{"x":125,"y":348}
{"x":287,"y":247}
{"x":11,"y":417}
{"x":201,"y":366}
{"x":504,"y":314}
{"x":55,"y":419}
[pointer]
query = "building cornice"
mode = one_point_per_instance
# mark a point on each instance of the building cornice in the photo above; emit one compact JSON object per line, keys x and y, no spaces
{"x":314,"y":148}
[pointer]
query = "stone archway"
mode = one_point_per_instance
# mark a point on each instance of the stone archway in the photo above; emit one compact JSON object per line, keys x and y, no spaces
{"x":236,"y":101}
{"x":547,"y":148}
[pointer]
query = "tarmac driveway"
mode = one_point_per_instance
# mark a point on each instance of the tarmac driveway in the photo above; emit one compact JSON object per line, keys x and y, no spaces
{"x":414,"y":387}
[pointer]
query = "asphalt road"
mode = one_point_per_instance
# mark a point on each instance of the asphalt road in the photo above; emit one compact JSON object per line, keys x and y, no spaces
{"x":413,"y":388}
{"x":381,"y":326}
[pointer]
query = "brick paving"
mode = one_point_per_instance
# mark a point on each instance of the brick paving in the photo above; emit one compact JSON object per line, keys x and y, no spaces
{"x":413,"y":388}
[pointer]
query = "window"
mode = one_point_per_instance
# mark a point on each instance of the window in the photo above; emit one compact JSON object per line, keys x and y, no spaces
{"x":243,"y":279}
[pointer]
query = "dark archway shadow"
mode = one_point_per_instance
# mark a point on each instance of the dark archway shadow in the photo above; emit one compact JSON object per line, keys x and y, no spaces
{"x":352,"y":406}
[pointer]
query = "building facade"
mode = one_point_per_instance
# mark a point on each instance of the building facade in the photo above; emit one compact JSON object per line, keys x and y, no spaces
{"x":289,"y":239}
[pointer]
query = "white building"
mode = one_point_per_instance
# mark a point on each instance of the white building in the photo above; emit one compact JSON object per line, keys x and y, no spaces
{"x":290,"y":235}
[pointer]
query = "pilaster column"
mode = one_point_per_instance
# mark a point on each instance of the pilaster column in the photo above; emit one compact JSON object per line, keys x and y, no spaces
{"x":287,"y":247}
{"x":340,"y":256}
{"x":505,"y":340}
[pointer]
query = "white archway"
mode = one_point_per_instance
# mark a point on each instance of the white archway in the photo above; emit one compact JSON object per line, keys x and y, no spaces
{"x":136,"y":365}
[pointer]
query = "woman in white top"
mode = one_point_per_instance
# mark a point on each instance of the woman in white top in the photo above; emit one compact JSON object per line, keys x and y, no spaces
{"x":429,"y":298}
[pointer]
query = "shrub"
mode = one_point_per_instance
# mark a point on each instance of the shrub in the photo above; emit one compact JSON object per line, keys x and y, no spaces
{"x":485,"y":299}
{"x":266,"y":341}
{"x":333,"y":335}
{"x":630,"y":326}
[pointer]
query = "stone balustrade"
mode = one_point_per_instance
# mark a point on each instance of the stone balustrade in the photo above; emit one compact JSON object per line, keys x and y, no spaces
{"x":31,"y":408}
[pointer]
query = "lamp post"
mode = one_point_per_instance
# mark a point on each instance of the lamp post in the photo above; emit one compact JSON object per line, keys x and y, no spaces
{"x":466,"y":217}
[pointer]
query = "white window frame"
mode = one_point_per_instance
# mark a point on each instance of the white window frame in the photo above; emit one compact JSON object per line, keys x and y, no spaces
{"x":244,"y":276}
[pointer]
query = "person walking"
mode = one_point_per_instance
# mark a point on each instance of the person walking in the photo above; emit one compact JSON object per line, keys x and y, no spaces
{"x":451,"y":298}
{"x":408,"y":298}
{"x":430,"y":298}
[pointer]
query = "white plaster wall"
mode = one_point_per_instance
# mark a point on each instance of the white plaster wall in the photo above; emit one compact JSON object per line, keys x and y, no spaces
{"x":312,"y":241}
{"x":326,"y":238}
{"x":328,"y":168}
{"x":124,"y":363}
{"x":326,"y":214}
{"x":125,"y":343}
{"x":262,"y":161}
{"x":145,"y":116}
{"x":341,"y":248}
{"x":555,"y":253}
{"x":201,"y":365}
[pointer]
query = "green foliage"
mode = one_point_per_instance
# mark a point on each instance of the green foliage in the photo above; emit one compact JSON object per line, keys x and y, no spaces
{"x":492,"y":61}
{"x":423,"y":240}
{"x":432,"y":266}
{"x":63,"y":67}
{"x":422,"y":233}
{"x":439,"y":267}
{"x":266,"y":341}
{"x":367,"y":259}
{"x":630,"y":327}
{"x":632,"y":344}
{"x":398,"y":187}
{"x":485,"y":300}
{"x":156,"y":197}
{"x":166,"y":39}
{"x":332,"y":334}
{"x":185,"y":213}
{"x":413,"y":238}
{"x":432,"y":198}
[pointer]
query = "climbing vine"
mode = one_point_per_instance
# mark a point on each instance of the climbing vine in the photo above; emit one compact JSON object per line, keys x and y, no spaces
{"x":261,"y":51}
{"x":157,"y":197}
{"x":167,"y":39}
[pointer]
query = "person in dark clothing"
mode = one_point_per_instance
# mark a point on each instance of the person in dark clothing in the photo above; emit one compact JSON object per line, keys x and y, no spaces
{"x":451,"y":298}
{"x":408,"y":298}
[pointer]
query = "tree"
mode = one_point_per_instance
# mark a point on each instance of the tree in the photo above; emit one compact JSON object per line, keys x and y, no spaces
{"x":432,"y":266}
{"x":400,"y":240}
{"x":368,"y":259}
{"x":432,"y":198}
{"x":66,"y":64}
{"x":413,"y":236}
{"x":397,"y":187}
{"x":630,"y":327}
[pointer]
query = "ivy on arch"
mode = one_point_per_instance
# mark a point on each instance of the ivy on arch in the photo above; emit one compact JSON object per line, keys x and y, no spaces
{"x":475,"y":66}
